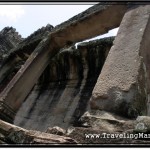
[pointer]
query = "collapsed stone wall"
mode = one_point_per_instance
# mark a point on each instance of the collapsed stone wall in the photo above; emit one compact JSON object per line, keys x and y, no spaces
{"x":73,"y":31}
{"x":72,"y":73}
{"x":62,"y":93}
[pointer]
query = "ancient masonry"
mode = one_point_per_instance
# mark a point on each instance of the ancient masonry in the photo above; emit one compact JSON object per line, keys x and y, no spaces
{"x":45,"y":81}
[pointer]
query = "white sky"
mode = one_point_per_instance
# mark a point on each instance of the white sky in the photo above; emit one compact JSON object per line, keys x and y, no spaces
{"x":28,"y":18}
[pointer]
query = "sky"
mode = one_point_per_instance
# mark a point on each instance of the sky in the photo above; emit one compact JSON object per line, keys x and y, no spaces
{"x":28,"y":18}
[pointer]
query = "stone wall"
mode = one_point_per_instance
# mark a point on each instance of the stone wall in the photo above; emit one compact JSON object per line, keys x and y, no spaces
{"x":62,"y":93}
{"x":72,"y":31}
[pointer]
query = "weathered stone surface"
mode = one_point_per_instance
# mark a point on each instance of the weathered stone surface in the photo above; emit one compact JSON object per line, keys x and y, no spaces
{"x":17,"y":55}
{"x":96,"y":22}
{"x":101,"y":127}
{"x":95,"y":19}
{"x":105,"y":121}
{"x":12,"y":134}
{"x":29,"y":44}
{"x":122,"y":87}
{"x":92,"y":136}
{"x":56,"y":130}
{"x":14,"y":60}
{"x":9,"y":38}
{"x":61,"y":95}
{"x":142,"y":124}
{"x":65,"y":87}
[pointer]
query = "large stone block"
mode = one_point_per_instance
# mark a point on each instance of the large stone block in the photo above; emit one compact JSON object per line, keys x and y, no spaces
{"x":123,"y":85}
{"x":11,"y":134}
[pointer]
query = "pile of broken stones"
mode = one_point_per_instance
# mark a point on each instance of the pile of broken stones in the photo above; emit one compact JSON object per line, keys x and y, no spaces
{"x":96,"y":127}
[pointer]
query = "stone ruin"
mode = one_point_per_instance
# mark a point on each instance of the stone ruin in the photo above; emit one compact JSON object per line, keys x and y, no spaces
{"x":54,"y":92}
